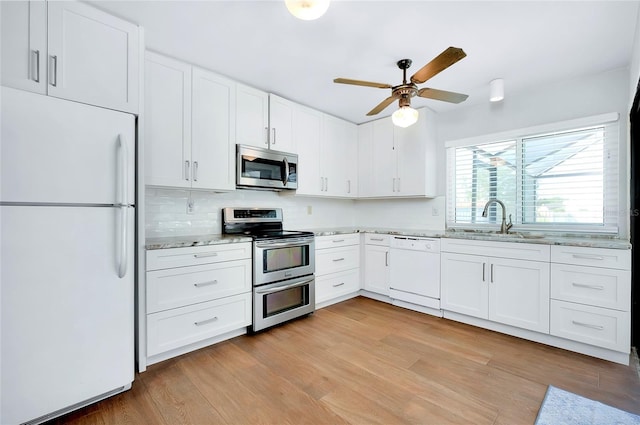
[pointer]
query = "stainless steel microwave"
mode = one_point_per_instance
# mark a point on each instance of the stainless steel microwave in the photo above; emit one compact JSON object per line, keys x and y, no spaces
{"x":258,"y":168}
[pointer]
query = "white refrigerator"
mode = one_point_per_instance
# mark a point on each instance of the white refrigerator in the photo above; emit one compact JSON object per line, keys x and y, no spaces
{"x":67,"y":222}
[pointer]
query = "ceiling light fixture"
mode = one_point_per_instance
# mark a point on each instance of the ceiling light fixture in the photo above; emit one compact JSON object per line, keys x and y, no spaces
{"x":496,"y":90}
{"x":404,"y":116}
{"x":307,"y":10}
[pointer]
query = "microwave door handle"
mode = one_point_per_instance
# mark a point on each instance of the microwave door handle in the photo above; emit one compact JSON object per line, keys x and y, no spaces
{"x":282,"y":288}
{"x":286,"y":171}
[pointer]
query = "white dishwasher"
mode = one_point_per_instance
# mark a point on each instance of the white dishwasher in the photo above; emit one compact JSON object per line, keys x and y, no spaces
{"x":415,"y":270}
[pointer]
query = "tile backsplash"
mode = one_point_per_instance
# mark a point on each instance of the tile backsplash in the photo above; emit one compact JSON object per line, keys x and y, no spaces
{"x":167,"y":211}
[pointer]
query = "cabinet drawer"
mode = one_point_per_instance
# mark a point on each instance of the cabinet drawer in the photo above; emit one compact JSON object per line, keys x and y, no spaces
{"x":337,"y":259}
{"x":592,"y":325}
{"x":594,"y":257}
{"x":324,"y":242}
{"x":337,"y":284}
{"x":515,"y":250}
{"x":179,"y":257}
{"x":176,"y":328}
{"x":182,"y":286}
{"x":376,"y":239}
{"x":609,"y":288}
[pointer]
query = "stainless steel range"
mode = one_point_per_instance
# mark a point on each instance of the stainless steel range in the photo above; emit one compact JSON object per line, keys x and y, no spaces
{"x":283,"y":265}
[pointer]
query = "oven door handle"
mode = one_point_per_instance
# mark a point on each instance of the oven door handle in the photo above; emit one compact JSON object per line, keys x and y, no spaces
{"x":282,"y":288}
{"x":289,"y":244}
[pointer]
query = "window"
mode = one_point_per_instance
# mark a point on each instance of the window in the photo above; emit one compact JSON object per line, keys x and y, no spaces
{"x":555,"y":180}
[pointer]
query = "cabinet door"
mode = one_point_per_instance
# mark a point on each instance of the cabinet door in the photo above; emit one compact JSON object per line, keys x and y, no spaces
{"x":376,"y":272}
{"x":307,"y":125}
{"x":519,"y":293}
{"x":384,"y":158}
{"x":338,"y":157}
{"x":464,"y":284}
{"x":213,"y":122}
{"x":93,"y":56}
{"x":281,"y":124}
{"x":410,"y":153}
{"x":168,"y":122}
{"x":365,"y":160}
{"x":252,"y":117}
{"x":24,"y":45}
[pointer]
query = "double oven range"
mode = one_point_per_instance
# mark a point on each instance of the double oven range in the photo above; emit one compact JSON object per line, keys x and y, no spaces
{"x":283,"y":265}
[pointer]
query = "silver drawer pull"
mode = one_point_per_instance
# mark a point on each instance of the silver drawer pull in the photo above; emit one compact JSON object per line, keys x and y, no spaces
{"x":204,"y":322}
{"x":377,"y":239}
{"x":588,"y":325}
{"x":338,"y":259}
{"x":582,"y":285}
{"x":588,"y":257}
{"x":205,"y":254}
{"x":339,"y":284}
{"x":337,"y":240}
{"x":200,"y":285}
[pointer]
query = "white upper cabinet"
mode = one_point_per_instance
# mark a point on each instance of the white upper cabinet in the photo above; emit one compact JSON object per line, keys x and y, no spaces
{"x":339,"y":157}
{"x":306,"y":129}
{"x":168,"y":121}
{"x":71,"y":50}
{"x":24,"y":45}
{"x":402,"y":160}
{"x":190,"y":126}
{"x":264,"y":120}
{"x":252,"y":117}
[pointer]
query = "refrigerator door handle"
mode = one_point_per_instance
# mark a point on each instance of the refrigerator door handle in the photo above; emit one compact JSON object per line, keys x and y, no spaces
{"x":122,"y":248}
{"x":123,"y":205}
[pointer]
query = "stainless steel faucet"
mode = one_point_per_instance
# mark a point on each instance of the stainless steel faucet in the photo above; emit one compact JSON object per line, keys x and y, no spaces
{"x":504,"y":228}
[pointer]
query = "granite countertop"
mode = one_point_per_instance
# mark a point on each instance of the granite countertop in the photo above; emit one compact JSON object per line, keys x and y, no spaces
{"x":515,"y":237}
{"x":592,"y":241}
{"x":186,"y":241}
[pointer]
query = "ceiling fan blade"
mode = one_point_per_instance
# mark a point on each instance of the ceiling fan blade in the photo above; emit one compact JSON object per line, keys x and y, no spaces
{"x":447,"y":96}
{"x":438,"y":64}
{"x":362,"y":83}
{"x":388,"y":101}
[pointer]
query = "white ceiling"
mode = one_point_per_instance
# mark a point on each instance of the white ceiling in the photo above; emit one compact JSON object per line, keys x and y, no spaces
{"x":528,"y":43}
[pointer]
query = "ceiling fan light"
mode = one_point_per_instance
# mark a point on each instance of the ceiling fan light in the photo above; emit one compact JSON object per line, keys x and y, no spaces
{"x":307,"y":10}
{"x":404,"y":116}
{"x":496,"y":90}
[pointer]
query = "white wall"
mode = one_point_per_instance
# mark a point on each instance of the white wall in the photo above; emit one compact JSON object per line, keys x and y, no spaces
{"x":553,"y":102}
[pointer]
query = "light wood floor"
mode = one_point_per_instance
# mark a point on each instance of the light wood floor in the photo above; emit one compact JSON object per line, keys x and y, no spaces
{"x":363,"y":362}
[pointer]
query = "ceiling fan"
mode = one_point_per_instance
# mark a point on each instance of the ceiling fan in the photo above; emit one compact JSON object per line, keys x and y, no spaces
{"x":408,"y":89}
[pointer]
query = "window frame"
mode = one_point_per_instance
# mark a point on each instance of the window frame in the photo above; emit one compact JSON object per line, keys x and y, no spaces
{"x":611,"y":176}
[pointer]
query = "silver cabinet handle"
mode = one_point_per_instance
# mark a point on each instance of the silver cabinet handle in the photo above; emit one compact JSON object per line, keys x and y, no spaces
{"x":583,"y":285}
{"x":588,"y":257}
{"x":398,"y":185}
{"x":394,"y":184}
{"x":386,"y":259}
{"x":204,"y":322}
{"x":484,"y":266}
{"x":491,"y":274}
{"x":200,"y":285}
{"x":274,"y":136}
{"x":36,"y":75}
{"x":321,"y":184}
{"x":348,"y":186}
{"x":337,"y":240}
{"x":377,"y":239}
{"x":195,"y":171}
{"x":338,"y":259}
{"x":205,"y":254}
{"x":266,"y":132}
{"x":588,"y":325}
{"x":186,"y":170}
{"x":326,"y":184}
{"x":339,"y":284}
{"x":53,"y":71}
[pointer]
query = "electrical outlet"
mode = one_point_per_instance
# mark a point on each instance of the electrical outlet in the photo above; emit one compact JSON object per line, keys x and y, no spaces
{"x":190,"y":206}
{"x":435,"y":211}
{"x":309,"y":210}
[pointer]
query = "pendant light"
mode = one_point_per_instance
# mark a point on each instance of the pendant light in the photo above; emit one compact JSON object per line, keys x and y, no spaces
{"x":496,"y":90}
{"x":307,"y":10}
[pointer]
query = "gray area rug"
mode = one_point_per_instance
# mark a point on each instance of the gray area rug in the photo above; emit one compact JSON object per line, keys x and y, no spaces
{"x":561,"y":407}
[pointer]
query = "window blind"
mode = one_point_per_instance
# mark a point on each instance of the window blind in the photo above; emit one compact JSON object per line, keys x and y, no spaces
{"x":565,"y":180}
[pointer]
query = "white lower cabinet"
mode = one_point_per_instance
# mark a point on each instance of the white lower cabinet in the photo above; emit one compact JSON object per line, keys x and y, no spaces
{"x":376,"y":263}
{"x":590,"y":291}
{"x":511,"y":291}
{"x":337,"y":268}
{"x":196,"y":296}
